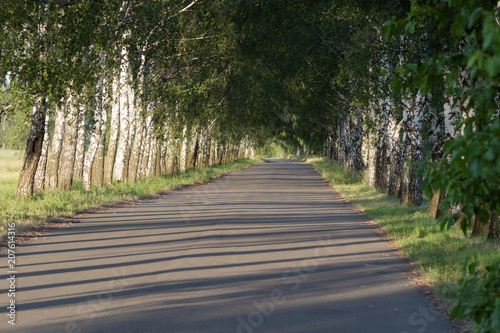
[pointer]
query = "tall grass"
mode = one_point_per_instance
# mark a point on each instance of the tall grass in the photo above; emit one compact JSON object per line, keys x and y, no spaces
{"x":11,"y":162}
{"x":437,"y":253}
{"x":48,"y":205}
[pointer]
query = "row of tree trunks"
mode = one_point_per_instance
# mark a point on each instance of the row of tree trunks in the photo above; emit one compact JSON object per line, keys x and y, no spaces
{"x":136,"y":146}
{"x":387,"y":149}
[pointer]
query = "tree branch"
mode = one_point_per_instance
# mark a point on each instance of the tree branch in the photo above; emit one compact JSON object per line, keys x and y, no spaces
{"x":64,"y":3}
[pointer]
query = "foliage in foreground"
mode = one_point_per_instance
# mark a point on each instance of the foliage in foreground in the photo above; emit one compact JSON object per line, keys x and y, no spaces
{"x":470,"y":72}
{"x":485,"y":309}
{"x":31,"y":213}
{"x":436,"y":252}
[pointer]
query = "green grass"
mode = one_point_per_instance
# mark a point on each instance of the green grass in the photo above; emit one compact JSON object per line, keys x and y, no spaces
{"x":11,"y":162}
{"x":49,"y":205}
{"x":438,"y":254}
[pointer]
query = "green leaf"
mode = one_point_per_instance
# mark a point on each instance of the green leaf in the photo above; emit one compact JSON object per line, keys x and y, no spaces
{"x":412,"y":67}
{"x":492,"y":66}
{"x":488,"y":38}
{"x":410,"y":27}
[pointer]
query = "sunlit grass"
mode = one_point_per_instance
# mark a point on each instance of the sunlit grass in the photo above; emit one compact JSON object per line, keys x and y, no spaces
{"x":10,"y":165}
{"x":47,"y":205}
{"x":437,"y":253}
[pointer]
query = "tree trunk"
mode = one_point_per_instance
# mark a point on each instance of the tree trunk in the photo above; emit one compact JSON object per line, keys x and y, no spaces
{"x":164,"y":148}
{"x":369,"y":151}
{"x":417,"y":151}
{"x":135,"y":157}
{"x":151,"y":168}
{"x":3,"y":120}
{"x":95,"y":137}
{"x":113,"y":134}
{"x":192,"y":149}
{"x":393,"y":177}
{"x":170,"y":158}
{"x":80,"y":144}
{"x":119,"y":171}
{"x":450,"y":121}
{"x":381,"y":154}
{"x":211,"y":154}
{"x":208,"y":149}
{"x":493,"y":227}
{"x":42,"y":163}
{"x":133,"y":115}
{"x":183,"y":153}
{"x":175,"y":157}
{"x":148,"y":141}
{"x":478,"y":228}
{"x":98,"y":167}
{"x":357,"y":143}
{"x":51,"y":177}
{"x":435,"y":121}
{"x":404,"y":156}
{"x":66,"y":167}
{"x":157,"y":171}
{"x":33,"y":150}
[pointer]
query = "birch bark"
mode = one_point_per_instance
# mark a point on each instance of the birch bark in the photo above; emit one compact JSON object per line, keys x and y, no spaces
{"x":42,"y":163}
{"x":66,"y":167}
{"x":393,"y":155}
{"x":404,"y":156}
{"x":113,"y":133}
{"x":119,"y":172}
{"x":148,"y":139}
{"x":381,"y":154}
{"x":55,"y":150}
{"x":98,"y":167}
{"x":417,"y":152}
{"x":182,"y":157}
{"x":95,"y":137}
{"x":80,"y":144}
{"x":33,"y":149}
{"x":436,"y":122}
{"x":135,"y":157}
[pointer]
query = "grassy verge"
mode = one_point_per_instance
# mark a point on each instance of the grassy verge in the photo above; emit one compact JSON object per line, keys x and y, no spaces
{"x":438,"y":254}
{"x":31,"y":213}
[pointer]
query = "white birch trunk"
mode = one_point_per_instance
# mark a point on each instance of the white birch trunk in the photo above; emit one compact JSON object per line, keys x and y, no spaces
{"x":404,"y":156}
{"x":216,"y":153}
{"x":42,"y":163}
{"x":153,"y":148}
{"x":417,"y":152}
{"x":134,"y":169}
{"x":133,"y":127}
{"x":393,"y":155}
{"x":120,"y":172}
{"x":148,"y":139}
{"x":113,"y":134}
{"x":183,"y":153}
{"x":98,"y":167}
{"x":66,"y":167}
{"x":95,"y":137}
{"x":55,"y":150}
{"x":80,"y":144}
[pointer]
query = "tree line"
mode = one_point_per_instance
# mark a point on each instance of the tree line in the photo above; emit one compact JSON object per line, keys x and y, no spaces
{"x":118,"y":90}
{"x":404,"y":91}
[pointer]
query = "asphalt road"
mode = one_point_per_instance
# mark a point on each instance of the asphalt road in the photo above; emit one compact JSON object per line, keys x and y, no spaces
{"x":266,"y":249}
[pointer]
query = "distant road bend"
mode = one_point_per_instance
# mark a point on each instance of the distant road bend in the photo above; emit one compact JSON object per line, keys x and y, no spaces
{"x":267,"y":249}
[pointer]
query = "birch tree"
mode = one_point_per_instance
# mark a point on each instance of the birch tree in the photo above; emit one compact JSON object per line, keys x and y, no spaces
{"x":55,"y":150}
{"x":42,"y":163}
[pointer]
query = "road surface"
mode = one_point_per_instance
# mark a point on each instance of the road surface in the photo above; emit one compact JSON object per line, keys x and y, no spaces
{"x":266,"y":249}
